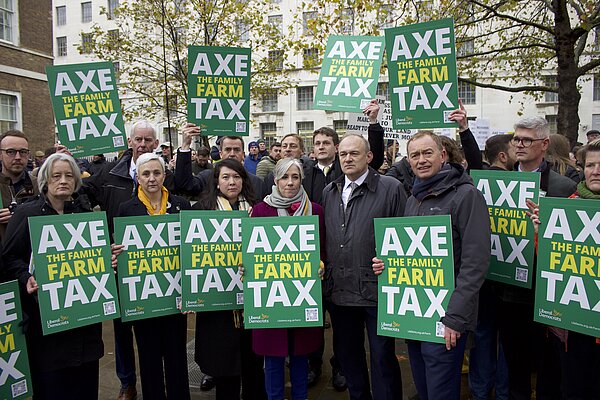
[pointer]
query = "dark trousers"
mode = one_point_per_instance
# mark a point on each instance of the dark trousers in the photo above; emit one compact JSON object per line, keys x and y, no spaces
{"x":349,"y":345}
{"x":275,"y":377}
{"x":124,"y":354}
{"x":580,"y":365}
{"x":528,"y":349}
{"x":487,"y":365}
{"x":253,"y":376}
{"x":436,"y":371}
{"x":72,"y":383}
{"x":163,"y":357}
{"x":227,"y":387}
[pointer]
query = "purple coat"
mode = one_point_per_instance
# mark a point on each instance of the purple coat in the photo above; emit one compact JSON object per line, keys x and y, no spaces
{"x":276,"y":342}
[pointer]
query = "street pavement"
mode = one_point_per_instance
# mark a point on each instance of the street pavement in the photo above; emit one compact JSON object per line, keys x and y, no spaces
{"x":109,"y":384}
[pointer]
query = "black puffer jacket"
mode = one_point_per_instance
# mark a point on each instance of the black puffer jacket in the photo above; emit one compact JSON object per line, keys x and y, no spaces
{"x":62,"y":349}
{"x":456,"y":196}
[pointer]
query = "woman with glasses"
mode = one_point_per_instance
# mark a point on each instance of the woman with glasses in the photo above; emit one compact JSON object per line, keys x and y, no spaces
{"x":64,"y":364}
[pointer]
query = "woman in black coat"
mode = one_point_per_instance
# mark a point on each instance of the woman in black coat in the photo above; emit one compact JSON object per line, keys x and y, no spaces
{"x":64,"y":364}
{"x":161,"y":341}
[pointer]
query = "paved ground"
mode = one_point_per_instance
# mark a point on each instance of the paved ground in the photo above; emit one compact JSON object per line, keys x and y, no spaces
{"x":109,"y":384}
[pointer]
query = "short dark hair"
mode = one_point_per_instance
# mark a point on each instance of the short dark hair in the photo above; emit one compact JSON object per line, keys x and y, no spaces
{"x":496,"y":145}
{"x":327,"y":132}
{"x":203,"y":151}
{"x":297,"y":137}
{"x":208,"y":198}
{"x":275,"y":144}
{"x":14,"y":133}
{"x":230,"y":138}
{"x":590,"y":147}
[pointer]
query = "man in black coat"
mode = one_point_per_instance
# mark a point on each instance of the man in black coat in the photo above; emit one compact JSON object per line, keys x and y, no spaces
{"x":114,"y":184}
{"x":229,"y":146}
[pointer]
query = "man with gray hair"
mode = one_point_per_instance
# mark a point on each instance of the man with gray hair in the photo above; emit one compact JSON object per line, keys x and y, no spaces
{"x":112,"y":185}
{"x":525,"y":343}
{"x":351,"y":202}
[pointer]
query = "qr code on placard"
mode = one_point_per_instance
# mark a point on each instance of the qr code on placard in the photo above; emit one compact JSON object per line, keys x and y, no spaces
{"x":18,"y":388}
{"x":109,"y":307}
{"x":118,"y":141}
{"x":311,"y":314}
{"x":240,"y":127}
{"x":178,"y":302}
{"x":239,"y":298}
{"x":440,"y":329}
{"x":447,"y":116}
{"x":521,"y":275}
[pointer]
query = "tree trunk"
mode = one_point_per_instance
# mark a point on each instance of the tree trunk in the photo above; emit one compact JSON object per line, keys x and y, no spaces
{"x":568,"y":93}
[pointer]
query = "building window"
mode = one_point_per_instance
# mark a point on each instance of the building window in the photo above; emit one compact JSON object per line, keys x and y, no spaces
{"x":268,"y":129}
{"x":597,"y":38}
{"x":347,"y":18}
{"x":311,"y":58}
{"x":7,"y":21}
{"x":340,"y":126}
{"x":552,"y":123}
{"x":466,"y":92}
{"x":383,"y":89}
{"x":86,"y":11}
{"x":467,"y":47}
{"x":275,"y":60}
{"x":8,"y":112}
{"x":173,"y":138}
{"x":275,"y":1}
{"x":269,"y":101}
{"x":308,"y":20}
{"x":305,"y":129}
{"x":597,"y":88}
{"x":112,"y":7}
{"x":243,"y":33}
{"x":550,"y":81}
{"x":61,"y":46}
{"x":61,"y":15}
{"x":276,"y":22}
{"x":113,"y":35}
{"x":86,"y":43}
{"x":305,"y":97}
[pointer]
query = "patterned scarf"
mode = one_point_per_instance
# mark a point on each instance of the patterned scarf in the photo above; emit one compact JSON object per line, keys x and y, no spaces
{"x":299,"y":204}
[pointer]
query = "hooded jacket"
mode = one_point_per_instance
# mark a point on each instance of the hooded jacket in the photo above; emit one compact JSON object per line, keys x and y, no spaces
{"x":456,"y":196}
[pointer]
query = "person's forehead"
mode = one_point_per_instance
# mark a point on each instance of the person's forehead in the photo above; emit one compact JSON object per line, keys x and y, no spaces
{"x":352,"y":143}
{"x":13,"y":141}
{"x":227,"y":142}
{"x":422,"y":143}
{"x":152,"y":164}
{"x":592,"y":156}
{"x":523,"y":132}
{"x":290,"y":139}
{"x":322,"y":138}
{"x":144,"y":133}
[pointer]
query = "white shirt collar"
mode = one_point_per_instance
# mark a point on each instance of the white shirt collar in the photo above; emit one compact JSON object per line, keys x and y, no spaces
{"x":359,"y":181}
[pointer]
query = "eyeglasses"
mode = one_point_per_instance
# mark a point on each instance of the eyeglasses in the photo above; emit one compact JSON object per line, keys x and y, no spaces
{"x":13,"y":152}
{"x":526,"y":142}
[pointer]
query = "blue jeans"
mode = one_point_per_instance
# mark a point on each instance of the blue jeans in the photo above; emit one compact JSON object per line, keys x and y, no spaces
{"x":275,"y":377}
{"x":436,"y":371}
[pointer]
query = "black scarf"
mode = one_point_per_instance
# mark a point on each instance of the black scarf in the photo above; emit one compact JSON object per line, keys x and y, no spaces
{"x":422,"y":188}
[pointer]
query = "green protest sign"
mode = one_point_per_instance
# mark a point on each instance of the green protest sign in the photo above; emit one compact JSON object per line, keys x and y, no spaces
{"x":422,"y":70}
{"x":87,"y":108}
{"x":567,"y":291}
{"x":15,"y":379}
{"x":282,"y":288}
{"x":149,"y":275}
{"x":71,"y":253}
{"x":219,"y":89}
{"x":211,"y":251}
{"x":349,"y":73}
{"x":418,"y":279}
{"x":513,"y":247}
